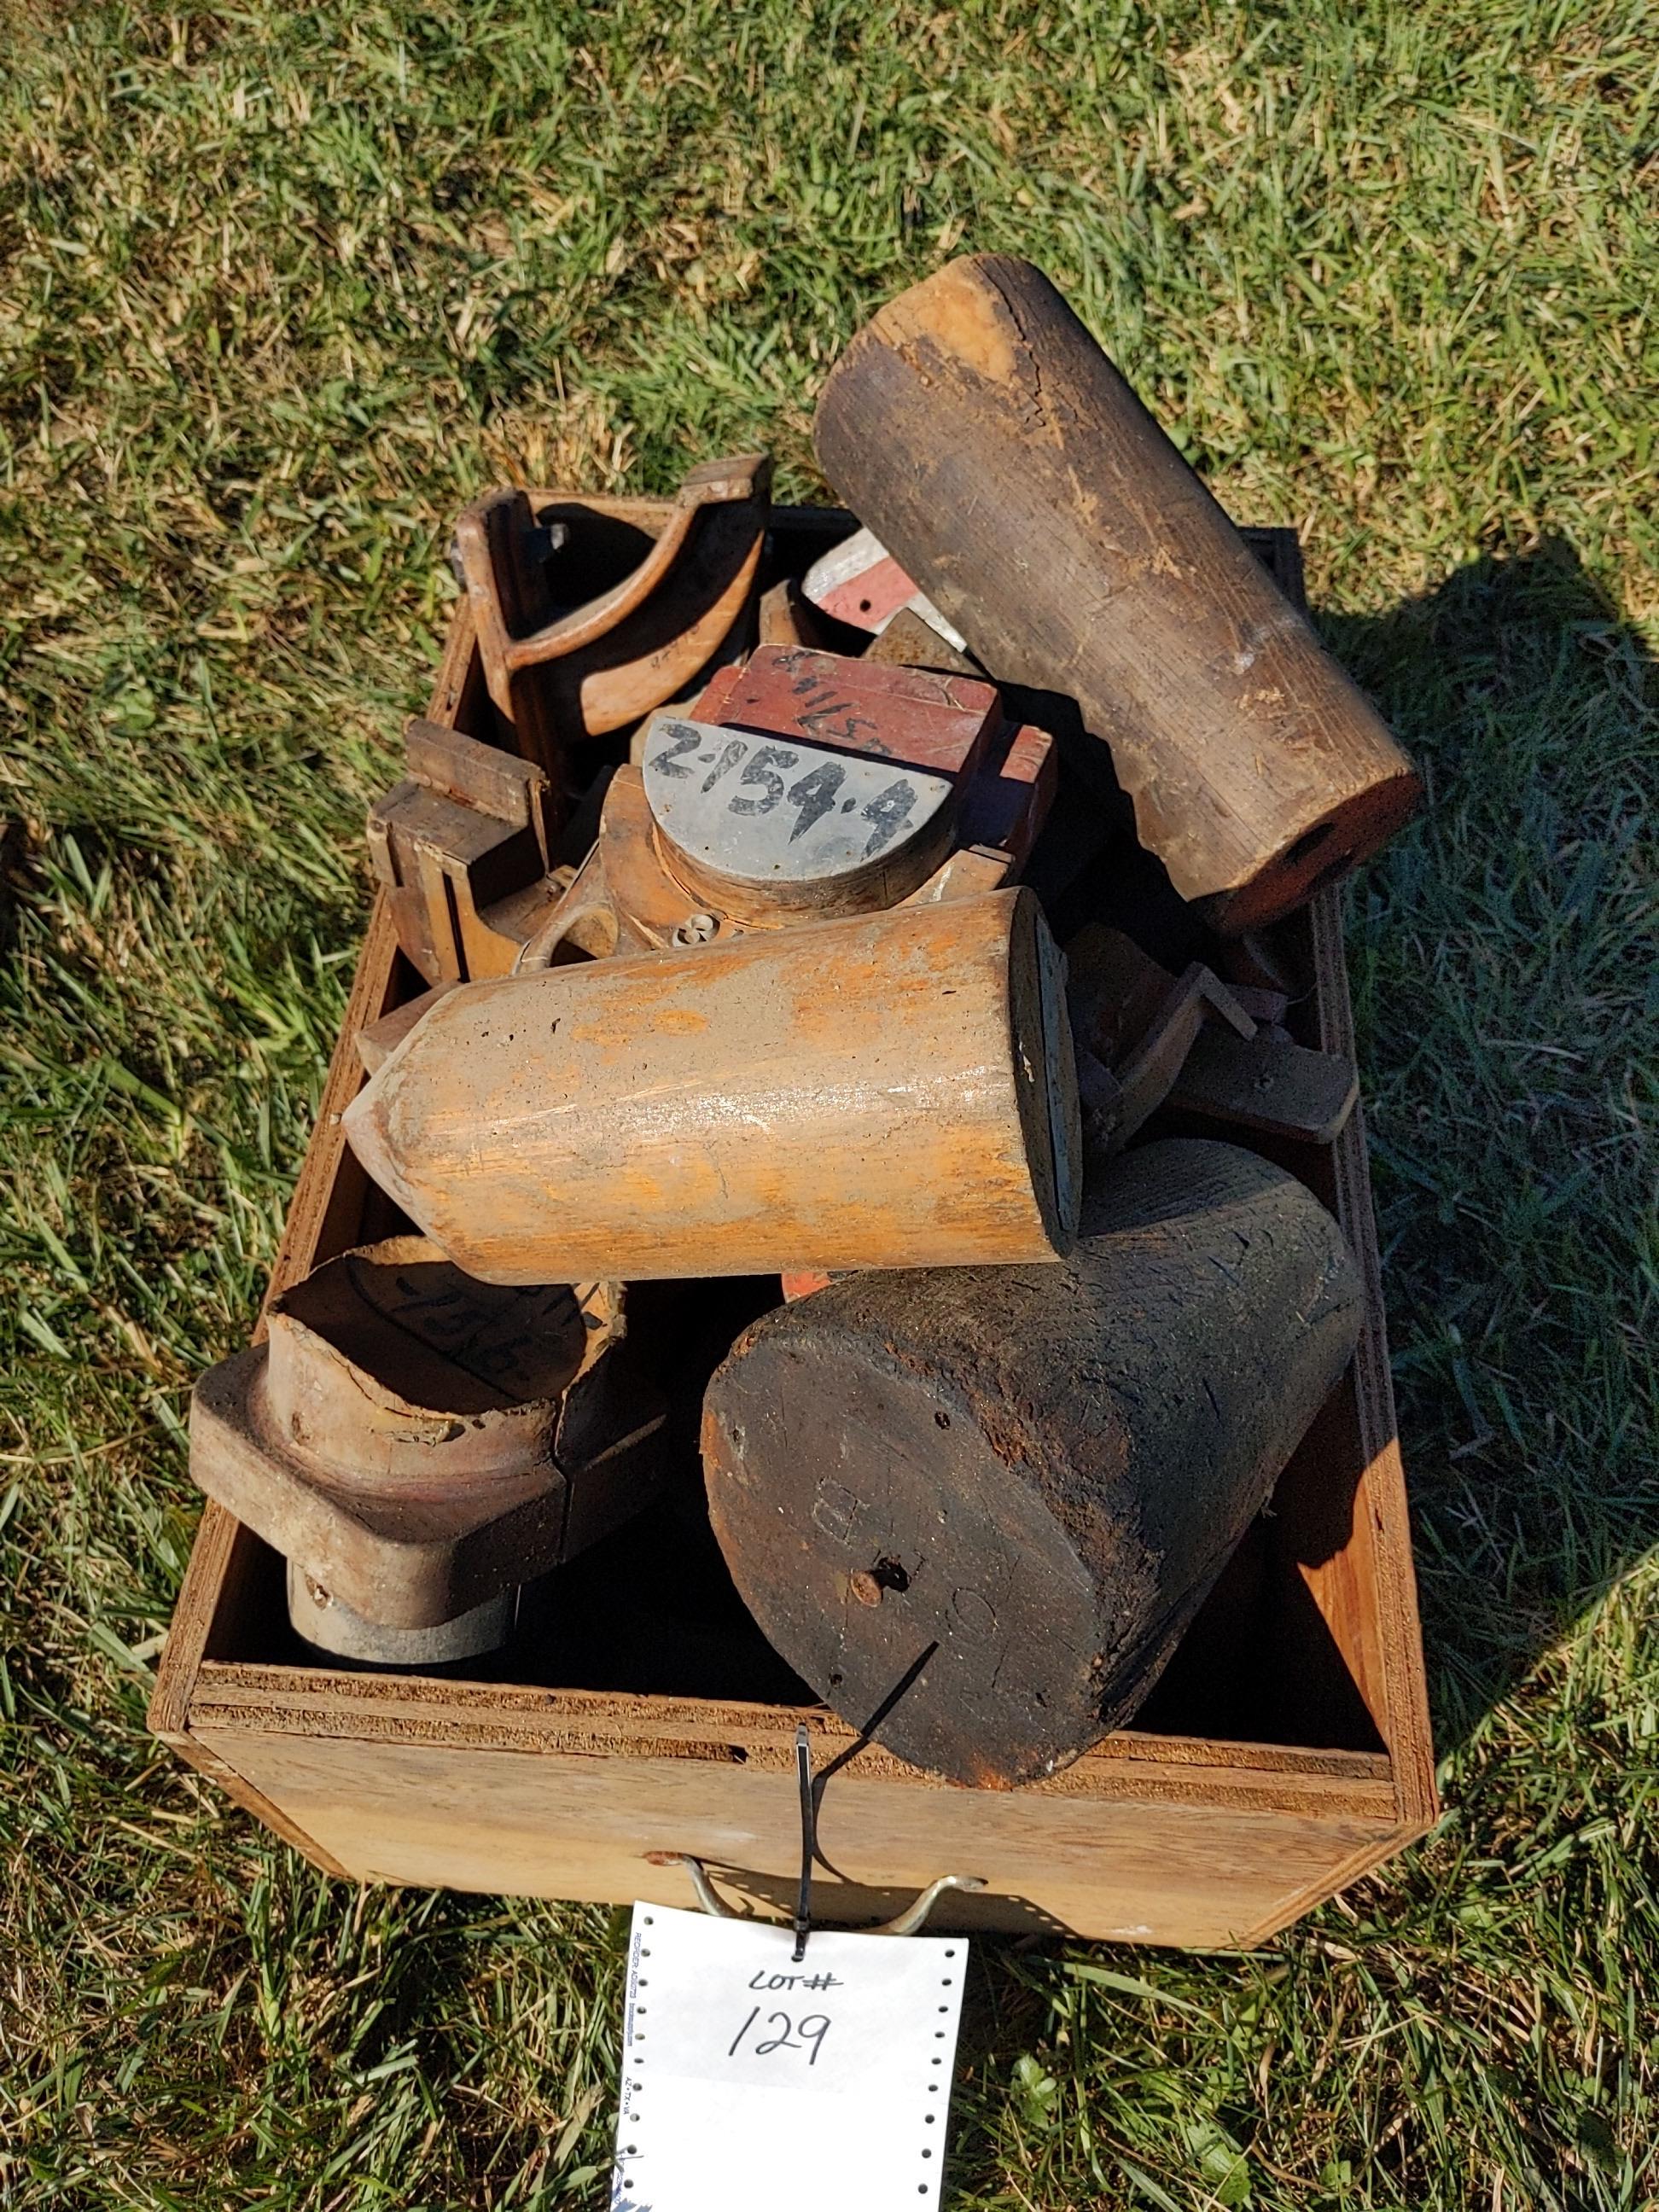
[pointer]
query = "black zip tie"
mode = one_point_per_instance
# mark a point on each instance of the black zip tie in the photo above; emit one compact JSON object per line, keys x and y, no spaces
{"x":809,"y":1842}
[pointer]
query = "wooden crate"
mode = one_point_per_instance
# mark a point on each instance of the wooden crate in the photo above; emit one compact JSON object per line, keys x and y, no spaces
{"x":1287,"y":1752}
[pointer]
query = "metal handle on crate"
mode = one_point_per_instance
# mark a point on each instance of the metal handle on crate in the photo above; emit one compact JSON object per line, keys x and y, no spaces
{"x":911,"y":1921}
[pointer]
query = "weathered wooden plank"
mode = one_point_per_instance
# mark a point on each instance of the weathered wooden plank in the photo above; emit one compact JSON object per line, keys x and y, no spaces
{"x":561,"y":1826}
{"x":1259,"y":1083}
{"x":309,"y":1700}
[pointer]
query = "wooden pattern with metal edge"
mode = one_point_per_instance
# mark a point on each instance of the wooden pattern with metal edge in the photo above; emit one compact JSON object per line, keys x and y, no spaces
{"x":1201,"y":1835}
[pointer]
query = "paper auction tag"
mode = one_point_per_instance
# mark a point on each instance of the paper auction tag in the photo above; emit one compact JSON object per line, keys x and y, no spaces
{"x":749,"y":2081}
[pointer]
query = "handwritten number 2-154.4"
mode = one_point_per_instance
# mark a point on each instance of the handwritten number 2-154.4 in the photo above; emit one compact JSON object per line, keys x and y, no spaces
{"x":761,"y":786}
{"x":812,"y":2028}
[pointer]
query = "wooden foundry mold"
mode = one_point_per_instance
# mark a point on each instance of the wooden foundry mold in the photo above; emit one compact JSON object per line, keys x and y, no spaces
{"x":976,"y":1508}
{"x":462,"y":845}
{"x":889,"y":1088}
{"x":557,"y":676}
{"x":1146,"y":1038}
{"x":1008,"y":467}
{"x":462,"y":848}
{"x":860,"y":583}
{"x":417,"y":1444}
{"x":726,"y":824}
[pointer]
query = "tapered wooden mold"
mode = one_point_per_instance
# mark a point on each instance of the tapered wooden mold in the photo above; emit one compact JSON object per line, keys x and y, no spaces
{"x":881,"y":1091}
{"x":982,"y":1503}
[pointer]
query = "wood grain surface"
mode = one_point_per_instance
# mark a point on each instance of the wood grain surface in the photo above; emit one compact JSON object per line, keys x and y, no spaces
{"x":997,"y":452}
{"x":1132,"y":1868}
{"x":886,"y":1090}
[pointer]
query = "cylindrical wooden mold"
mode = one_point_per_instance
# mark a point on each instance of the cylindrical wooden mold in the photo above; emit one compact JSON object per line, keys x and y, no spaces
{"x":974,"y":1509}
{"x":979,"y":431}
{"x":889,"y":1089}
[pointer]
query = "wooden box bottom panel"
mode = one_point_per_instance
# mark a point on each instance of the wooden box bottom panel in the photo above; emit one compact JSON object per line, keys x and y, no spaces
{"x":1286,"y":1750}
{"x":525,"y":1824}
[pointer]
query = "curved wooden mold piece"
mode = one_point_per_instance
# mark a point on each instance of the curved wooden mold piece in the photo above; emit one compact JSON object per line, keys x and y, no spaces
{"x":637,"y":642}
{"x":418,"y":1442}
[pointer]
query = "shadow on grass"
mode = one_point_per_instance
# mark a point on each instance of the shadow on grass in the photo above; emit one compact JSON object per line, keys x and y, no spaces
{"x":1506,"y":979}
{"x":1503,"y":960}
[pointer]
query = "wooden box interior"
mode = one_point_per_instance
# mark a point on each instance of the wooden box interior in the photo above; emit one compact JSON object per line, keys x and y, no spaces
{"x":1305,"y":1665}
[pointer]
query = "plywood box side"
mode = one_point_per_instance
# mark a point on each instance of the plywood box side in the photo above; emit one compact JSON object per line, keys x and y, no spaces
{"x":1331,"y":1882}
{"x":564,"y":1826}
{"x":1380,"y":1547}
{"x":324,"y":1216}
{"x":276,"y":1700}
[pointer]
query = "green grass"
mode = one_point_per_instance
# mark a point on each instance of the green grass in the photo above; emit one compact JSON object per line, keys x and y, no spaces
{"x":278,"y":289}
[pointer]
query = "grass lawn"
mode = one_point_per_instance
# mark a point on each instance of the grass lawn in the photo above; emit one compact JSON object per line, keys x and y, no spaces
{"x":279,"y":290}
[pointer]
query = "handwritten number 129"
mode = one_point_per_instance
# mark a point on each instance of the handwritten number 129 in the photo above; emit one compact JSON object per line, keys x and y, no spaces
{"x":813,"y":2028}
